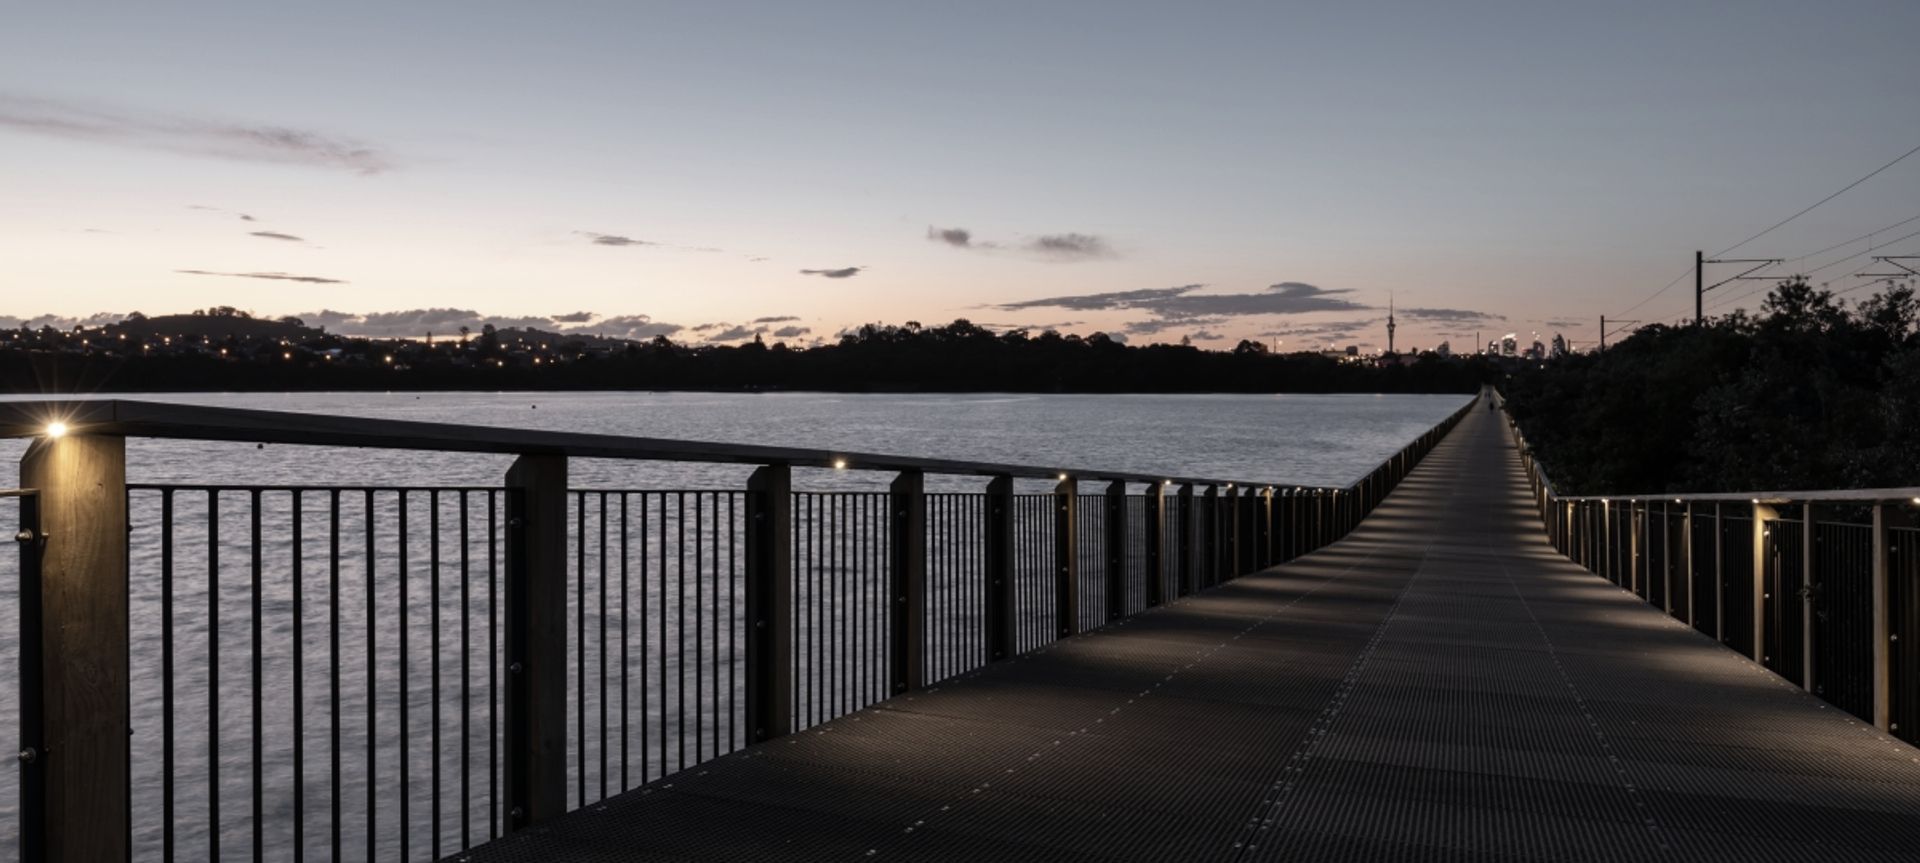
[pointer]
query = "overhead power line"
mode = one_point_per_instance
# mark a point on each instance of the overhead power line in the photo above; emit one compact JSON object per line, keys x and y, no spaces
{"x":1867,"y":236}
{"x":1723,"y":303}
{"x":1815,"y":205}
{"x":1771,"y":228}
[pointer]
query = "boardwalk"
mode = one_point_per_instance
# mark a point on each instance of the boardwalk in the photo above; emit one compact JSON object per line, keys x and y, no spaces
{"x":1440,"y":685}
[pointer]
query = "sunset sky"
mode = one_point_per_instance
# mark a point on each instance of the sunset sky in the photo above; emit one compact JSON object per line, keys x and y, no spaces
{"x":1213,"y":170}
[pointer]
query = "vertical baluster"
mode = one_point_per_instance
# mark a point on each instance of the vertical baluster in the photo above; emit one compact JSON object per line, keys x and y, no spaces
{"x":299,"y":687}
{"x":255,"y":716}
{"x":373,"y":677}
{"x":433,"y":660}
{"x":404,"y":616}
{"x":333,"y":674}
{"x":166,"y":681}
{"x":466,"y":679}
{"x":626,"y":650}
{"x":213,"y":674}
{"x":603,"y":644}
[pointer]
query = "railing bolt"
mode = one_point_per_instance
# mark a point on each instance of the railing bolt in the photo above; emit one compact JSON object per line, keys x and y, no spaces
{"x":514,"y":668}
{"x":516,"y":521}
{"x":517,"y":813}
{"x":28,"y":755}
{"x":25,"y":535}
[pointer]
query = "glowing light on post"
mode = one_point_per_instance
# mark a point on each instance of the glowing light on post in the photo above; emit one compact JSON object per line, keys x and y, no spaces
{"x":839,"y":464}
{"x":56,"y":429}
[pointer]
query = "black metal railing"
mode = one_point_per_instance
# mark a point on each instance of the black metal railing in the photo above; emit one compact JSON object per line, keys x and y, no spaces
{"x":391,"y":673}
{"x":1820,"y":587}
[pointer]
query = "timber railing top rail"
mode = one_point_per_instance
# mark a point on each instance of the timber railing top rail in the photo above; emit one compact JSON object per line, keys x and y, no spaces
{"x":144,"y":419}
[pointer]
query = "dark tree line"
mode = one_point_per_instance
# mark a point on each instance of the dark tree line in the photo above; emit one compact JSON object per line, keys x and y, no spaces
{"x":959,"y":357}
{"x":1810,"y":393}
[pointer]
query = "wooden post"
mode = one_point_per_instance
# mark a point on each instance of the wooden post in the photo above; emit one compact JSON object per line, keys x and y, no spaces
{"x":1666,"y":557}
{"x":1156,"y":527}
{"x":82,"y":495}
{"x":1763,"y":515}
{"x":1066,"y":549}
{"x":1264,"y":554}
{"x":1210,"y":538}
{"x":1806,"y":596}
{"x":1188,"y":536}
{"x":1693,"y":605}
{"x":1116,"y":501}
{"x":536,"y":633}
{"x":1283,"y":526}
{"x":1719,"y":577}
{"x":1882,"y":654}
{"x":1231,"y":531}
{"x":1606,"y":545}
{"x":769,"y":601}
{"x":1633,"y":547}
{"x":907,"y":580}
{"x":1001,"y":640}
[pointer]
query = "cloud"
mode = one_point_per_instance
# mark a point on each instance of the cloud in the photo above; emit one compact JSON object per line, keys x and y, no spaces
{"x":243,"y":216}
{"x":414,"y":323}
{"x":636,"y":327}
{"x":956,"y":237}
{"x":1100,"y":302}
{"x":573,"y":318}
{"x":701,"y":328}
{"x":776,"y":319}
{"x":1338,"y":330}
{"x":1068,"y":246}
{"x":1152,"y":327}
{"x":842,"y":273}
{"x":1206,"y":336}
{"x":60,"y":322}
{"x":284,"y":277}
{"x":1565,"y":324}
{"x":1450,"y":316}
{"x":1071,"y":246}
{"x":276,"y":235}
{"x":791,"y":332}
{"x":189,"y":136}
{"x":1185,"y":305}
{"x":613,"y":239}
{"x":734,"y":334}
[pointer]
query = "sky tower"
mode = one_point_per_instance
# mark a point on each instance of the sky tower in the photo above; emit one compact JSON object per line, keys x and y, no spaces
{"x":1389,"y":323}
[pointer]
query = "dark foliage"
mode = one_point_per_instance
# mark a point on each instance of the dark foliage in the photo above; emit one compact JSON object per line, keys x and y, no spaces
{"x":1808,"y":394}
{"x":959,"y":357}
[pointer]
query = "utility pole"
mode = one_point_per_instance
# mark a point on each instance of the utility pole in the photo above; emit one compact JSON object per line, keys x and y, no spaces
{"x":1700,"y":286}
{"x":1619,"y":325}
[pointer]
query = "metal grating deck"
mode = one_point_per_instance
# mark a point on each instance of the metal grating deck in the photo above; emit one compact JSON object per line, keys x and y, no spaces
{"x":1440,"y":685}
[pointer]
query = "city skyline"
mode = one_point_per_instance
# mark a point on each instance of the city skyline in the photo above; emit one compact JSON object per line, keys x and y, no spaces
{"x":738,"y":169}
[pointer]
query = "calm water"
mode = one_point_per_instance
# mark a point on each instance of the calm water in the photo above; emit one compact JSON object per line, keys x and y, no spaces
{"x":1294,"y":439}
{"x":1307,"y":440}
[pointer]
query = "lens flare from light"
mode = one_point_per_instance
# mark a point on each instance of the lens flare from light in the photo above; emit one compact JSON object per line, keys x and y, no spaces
{"x":56,"y":429}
